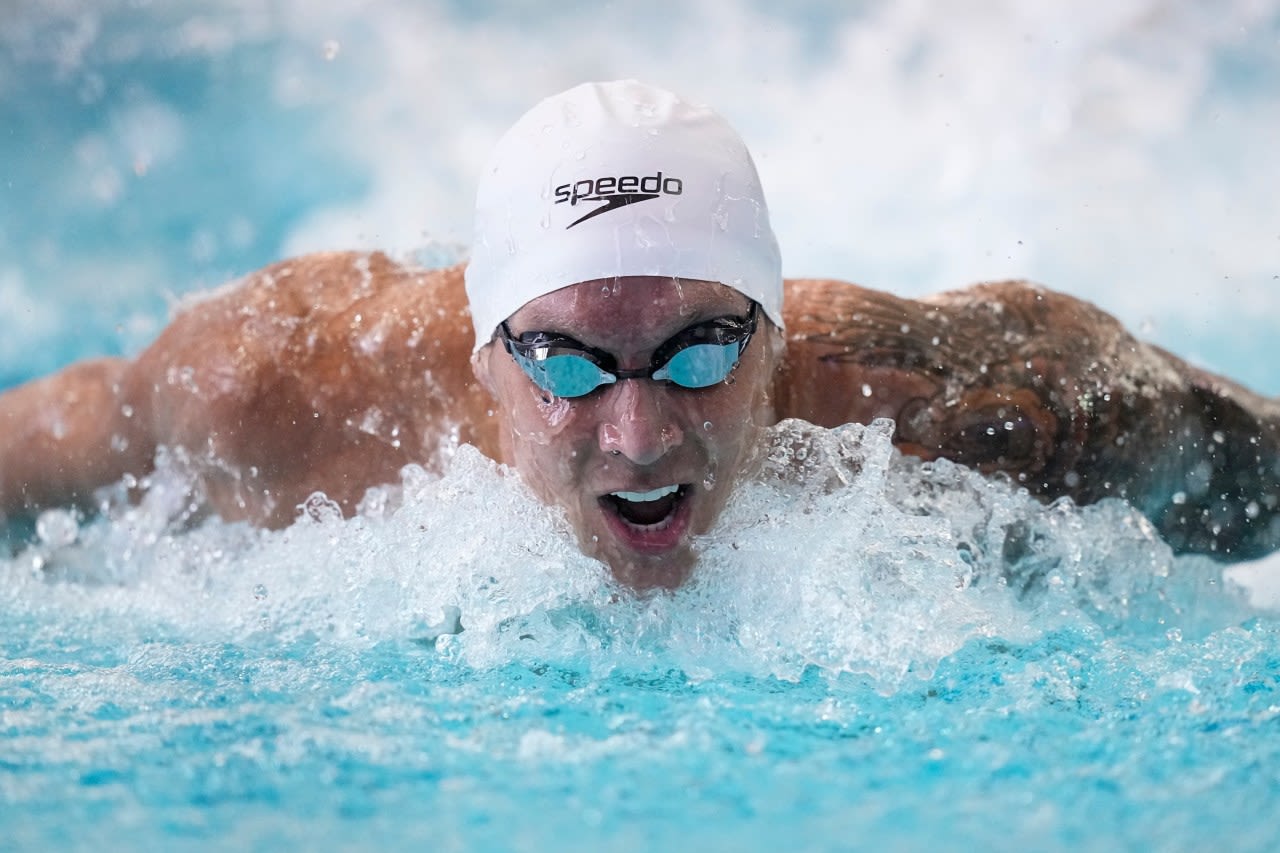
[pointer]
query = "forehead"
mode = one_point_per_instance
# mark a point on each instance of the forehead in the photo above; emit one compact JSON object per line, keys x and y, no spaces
{"x":630,"y":309}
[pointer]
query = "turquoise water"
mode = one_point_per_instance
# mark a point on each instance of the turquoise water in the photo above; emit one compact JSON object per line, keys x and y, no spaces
{"x":874,"y":653}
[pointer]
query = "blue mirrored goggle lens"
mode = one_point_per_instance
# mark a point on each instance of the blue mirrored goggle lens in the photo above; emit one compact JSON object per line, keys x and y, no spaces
{"x":700,"y":365}
{"x":568,"y":375}
{"x":564,"y":375}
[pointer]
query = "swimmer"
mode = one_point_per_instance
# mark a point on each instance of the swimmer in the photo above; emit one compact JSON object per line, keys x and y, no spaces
{"x":621,"y":337}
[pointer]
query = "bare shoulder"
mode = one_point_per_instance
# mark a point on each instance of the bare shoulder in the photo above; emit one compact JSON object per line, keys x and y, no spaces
{"x":325,"y":372}
{"x":300,"y":308}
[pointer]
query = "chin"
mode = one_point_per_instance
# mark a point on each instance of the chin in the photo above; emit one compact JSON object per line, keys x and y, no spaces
{"x":668,"y":572}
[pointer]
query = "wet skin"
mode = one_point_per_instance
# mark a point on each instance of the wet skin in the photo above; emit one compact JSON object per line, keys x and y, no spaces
{"x":638,"y":436}
{"x":332,"y":371}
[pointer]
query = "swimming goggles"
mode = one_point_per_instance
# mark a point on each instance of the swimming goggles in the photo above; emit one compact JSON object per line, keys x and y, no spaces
{"x":697,"y":357}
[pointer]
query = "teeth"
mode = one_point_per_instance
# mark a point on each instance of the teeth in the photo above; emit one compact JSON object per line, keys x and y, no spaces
{"x":646,"y":497}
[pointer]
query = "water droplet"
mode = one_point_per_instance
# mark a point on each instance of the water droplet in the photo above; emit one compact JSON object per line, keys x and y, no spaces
{"x":259,"y":592}
{"x":709,"y":481}
{"x":866,"y":390}
{"x":331,"y":49}
{"x":57,"y":527}
{"x":707,"y":425}
{"x":1179,"y":498}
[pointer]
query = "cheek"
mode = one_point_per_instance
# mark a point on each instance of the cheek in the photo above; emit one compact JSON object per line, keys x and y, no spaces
{"x":528,"y":415}
{"x":737,"y":412}
{"x":543,"y":440}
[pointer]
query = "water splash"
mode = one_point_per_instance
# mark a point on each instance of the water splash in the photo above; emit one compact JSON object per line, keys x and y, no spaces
{"x":837,"y":554}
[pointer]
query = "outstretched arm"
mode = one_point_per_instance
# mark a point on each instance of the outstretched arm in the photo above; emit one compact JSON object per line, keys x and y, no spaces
{"x":1050,"y":391}
{"x":65,"y":435}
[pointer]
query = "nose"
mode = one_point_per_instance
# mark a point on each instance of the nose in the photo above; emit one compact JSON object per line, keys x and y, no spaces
{"x":637,"y":422}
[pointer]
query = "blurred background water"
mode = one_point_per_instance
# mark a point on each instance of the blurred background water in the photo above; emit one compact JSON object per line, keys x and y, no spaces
{"x":1120,"y":152}
{"x":919,"y":660}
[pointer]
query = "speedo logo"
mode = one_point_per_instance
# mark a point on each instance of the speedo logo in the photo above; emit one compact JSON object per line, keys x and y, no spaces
{"x":615,"y":192}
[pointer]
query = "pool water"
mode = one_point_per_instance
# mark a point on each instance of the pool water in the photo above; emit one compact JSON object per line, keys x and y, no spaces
{"x":875,"y":653}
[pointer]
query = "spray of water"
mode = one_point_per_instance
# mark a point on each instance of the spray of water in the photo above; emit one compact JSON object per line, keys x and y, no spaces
{"x":838,"y":555}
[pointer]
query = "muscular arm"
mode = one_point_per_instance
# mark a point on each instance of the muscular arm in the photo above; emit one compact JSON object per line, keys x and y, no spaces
{"x":65,"y":435}
{"x":1050,"y":391}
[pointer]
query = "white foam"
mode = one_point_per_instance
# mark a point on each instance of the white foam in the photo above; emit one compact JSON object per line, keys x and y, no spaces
{"x":839,"y":555}
{"x":1261,"y":581}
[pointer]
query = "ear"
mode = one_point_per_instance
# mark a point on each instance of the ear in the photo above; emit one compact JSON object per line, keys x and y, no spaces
{"x":480,"y":367}
{"x":774,"y":342}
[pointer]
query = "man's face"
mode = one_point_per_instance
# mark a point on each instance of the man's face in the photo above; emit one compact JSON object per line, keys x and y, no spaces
{"x":641,"y":465}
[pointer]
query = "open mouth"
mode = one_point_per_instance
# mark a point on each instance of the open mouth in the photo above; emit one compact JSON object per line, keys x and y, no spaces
{"x":646,"y":509}
{"x":652,"y":520}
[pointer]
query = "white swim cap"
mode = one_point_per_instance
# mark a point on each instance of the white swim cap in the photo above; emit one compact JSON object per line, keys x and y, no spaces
{"x":618,"y":179}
